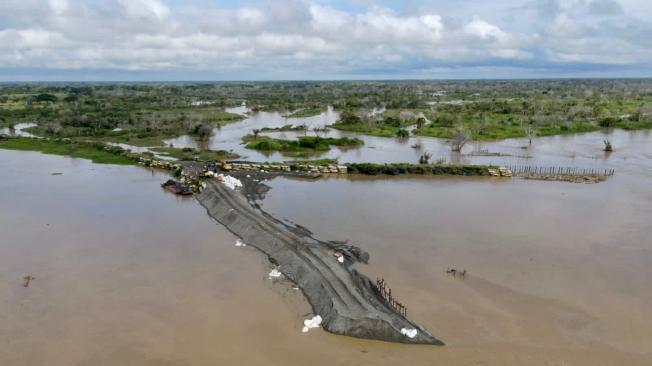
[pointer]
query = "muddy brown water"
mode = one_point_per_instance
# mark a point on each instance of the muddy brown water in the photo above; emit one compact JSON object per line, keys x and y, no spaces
{"x":126,"y":274}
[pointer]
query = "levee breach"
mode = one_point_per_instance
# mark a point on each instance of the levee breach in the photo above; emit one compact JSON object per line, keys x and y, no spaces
{"x":349,"y":302}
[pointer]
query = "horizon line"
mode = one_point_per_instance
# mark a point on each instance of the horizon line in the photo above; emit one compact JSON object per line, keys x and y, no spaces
{"x":324,"y":80}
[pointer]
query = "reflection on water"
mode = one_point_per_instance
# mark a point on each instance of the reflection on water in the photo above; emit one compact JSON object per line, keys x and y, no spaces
{"x":583,"y":150}
{"x":242,"y":109}
{"x":565,"y":150}
{"x":552,"y":265}
{"x":140,"y":150}
{"x":229,"y":137}
{"x":126,"y":274}
{"x":17,"y":130}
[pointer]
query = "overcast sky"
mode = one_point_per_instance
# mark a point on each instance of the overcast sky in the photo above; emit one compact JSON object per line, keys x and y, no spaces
{"x":323,"y":39}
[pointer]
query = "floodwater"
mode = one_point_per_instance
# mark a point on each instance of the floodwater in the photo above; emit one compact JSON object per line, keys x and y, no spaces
{"x":127,"y":274}
{"x":559,"y":273}
{"x":141,"y":150}
{"x":565,"y":150}
{"x":18,"y":130}
{"x":229,"y":137}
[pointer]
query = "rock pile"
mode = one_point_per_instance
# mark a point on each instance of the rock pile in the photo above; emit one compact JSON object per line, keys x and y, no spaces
{"x":160,"y":164}
{"x":326,"y":169}
{"x":312,"y":168}
{"x":500,"y":172}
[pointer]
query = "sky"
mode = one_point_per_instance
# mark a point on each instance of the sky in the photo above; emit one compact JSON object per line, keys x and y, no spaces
{"x":214,"y":40}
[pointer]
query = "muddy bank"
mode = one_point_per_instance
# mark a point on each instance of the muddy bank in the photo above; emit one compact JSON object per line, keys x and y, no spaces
{"x":349,"y":302}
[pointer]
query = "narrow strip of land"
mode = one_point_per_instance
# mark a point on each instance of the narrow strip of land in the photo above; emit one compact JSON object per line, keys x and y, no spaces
{"x":347,"y":300}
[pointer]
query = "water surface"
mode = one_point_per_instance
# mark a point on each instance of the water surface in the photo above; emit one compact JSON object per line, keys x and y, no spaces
{"x":18,"y":130}
{"x":127,"y":274}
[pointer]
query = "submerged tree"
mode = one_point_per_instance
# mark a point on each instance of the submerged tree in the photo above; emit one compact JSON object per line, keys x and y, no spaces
{"x":460,"y":137}
{"x":421,"y":122}
{"x":425,"y":158}
{"x":204,"y":131}
{"x":607,"y":146}
{"x":531,"y":133}
{"x":402,"y":133}
{"x":256,"y":132}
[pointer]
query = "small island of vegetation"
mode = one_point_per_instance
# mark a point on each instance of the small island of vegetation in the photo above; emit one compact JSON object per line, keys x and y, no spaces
{"x":303,"y":146}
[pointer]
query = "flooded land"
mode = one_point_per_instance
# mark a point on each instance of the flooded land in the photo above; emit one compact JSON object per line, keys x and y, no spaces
{"x":99,"y":265}
{"x":127,"y":274}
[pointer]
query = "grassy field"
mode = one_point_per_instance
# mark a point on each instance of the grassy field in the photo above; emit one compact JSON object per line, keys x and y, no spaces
{"x":95,"y":152}
{"x":284,"y":128}
{"x":388,"y":125}
{"x":188,"y":154}
{"x":306,"y":112}
{"x":496,"y":128}
{"x":303,"y":146}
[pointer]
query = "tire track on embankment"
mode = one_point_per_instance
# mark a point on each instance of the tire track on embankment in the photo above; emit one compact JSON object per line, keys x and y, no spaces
{"x":346,"y":299}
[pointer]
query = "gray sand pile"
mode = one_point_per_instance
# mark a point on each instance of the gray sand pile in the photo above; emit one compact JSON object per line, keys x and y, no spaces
{"x":347,"y":300}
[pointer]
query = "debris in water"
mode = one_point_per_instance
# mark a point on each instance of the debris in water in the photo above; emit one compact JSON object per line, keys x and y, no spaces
{"x":308,"y":324}
{"x":456,"y":272}
{"x":56,"y":174}
{"x":176,"y":188}
{"x":275,"y":273}
{"x":239,"y":243}
{"x":28,"y":279}
{"x":411,"y":333}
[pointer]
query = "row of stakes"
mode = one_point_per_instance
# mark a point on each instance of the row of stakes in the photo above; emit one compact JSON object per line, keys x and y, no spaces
{"x":386,"y":293}
{"x":518,"y":169}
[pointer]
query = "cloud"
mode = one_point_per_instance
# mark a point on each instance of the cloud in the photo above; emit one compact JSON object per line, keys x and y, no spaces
{"x":301,"y":39}
{"x":145,"y":9}
{"x":605,"y":7}
{"x":58,"y":6}
{"x":485,"y":31}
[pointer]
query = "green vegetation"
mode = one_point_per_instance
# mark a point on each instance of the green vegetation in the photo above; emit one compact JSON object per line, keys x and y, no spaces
{"x":318,"y":162}
{"x":188,"y":154}
{"x":492,"y":125}
{"x":434,"y":169}
{"x":402,"y":133}
{"x":303,"y":146}
{"x":284,"y":128}
{"x":146,"y":114}
{"x":142,"y":128}
{"x":307,"y":112}
{"x":96,"y":152}
{"x":387,"y":126}
{"x":424,"y":159}
{"x":140,"y":139}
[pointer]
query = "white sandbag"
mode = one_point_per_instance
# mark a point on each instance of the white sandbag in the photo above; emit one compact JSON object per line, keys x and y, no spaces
{"x":314,"y":322}
{"x":231,"y":182}
{"x":411,"y":333}
{"x":239,"y":243}
{"x":275,"y":273}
